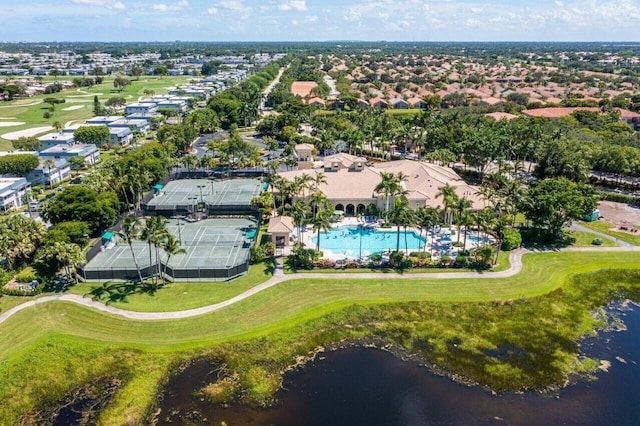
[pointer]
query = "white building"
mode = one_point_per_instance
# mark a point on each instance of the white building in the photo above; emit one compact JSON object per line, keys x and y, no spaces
{"x":140,"y":108}
{"x":53,"y":139}
{"x":89,"y":152}
{"x":12,"y":192}
{"x":50,"y":174}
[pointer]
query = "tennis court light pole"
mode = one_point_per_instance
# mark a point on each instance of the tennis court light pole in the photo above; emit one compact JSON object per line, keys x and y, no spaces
{"x":179,"y":233}
{"x":200,"y":188}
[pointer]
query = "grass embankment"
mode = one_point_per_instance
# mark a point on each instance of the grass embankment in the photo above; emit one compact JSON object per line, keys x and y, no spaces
{"x":272,"y":327}
{"x":174,"y":296}
{"x":585,"y":239}
{"x":609,"y":229}
{"x":30,"y":110}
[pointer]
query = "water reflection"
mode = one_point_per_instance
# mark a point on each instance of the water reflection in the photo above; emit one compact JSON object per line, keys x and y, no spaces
{"x":360,"y":386}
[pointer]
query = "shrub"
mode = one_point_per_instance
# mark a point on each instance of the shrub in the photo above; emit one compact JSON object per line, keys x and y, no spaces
{"x":597,"y":242}
{"x":222,"y":391}
{"x":445,"y":260}
{"x":511,"y":240}
{"x":25,"y":276}
{"x":462,"y":261}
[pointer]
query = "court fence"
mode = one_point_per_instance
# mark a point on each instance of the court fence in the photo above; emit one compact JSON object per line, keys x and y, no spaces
{"x":172,"y":274}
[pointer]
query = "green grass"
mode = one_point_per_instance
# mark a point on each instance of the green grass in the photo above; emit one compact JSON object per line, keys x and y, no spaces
{"x":272,"y":327}
{"x":183,"y":296}
{"x":585,"y":239}
{"x":607,"y":228}
{"x":32,"y":115}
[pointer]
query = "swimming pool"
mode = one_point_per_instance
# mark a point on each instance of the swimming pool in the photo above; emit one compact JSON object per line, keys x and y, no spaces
{"x":349,"y":240}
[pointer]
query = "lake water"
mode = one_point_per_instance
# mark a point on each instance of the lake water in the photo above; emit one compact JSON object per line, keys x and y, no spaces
{"x":360,"y":386}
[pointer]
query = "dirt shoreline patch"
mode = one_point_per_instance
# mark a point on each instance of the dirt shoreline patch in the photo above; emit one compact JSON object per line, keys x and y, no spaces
{"x":619,"y":214}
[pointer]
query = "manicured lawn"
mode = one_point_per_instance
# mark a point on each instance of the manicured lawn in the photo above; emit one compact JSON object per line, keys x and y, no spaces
{"x":31,"y":110}
{"x":585,"y":239}
{"x":607,"y":228}
{"x":182,"y":296}
{"x":8,"y":302}
{"x":86,"y":344}
{"x":297,"y":301}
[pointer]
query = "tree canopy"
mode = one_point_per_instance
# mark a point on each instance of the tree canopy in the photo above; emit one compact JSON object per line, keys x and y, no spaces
{"x":83,"y":204}
{"x":18,"y":164}
{"x":98,"y":135}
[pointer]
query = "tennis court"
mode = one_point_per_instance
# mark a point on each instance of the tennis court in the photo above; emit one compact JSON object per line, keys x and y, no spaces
{"x":216,"y":196}
{"x":216,"y":249}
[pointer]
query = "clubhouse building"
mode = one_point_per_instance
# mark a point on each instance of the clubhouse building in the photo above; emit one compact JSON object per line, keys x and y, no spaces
{"x":351,"y":182}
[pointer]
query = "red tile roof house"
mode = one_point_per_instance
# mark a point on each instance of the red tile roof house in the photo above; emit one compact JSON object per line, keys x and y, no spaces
{"x":317,"y":102}
{"x":378,"y":103}
{"x":630,"y":117}
{"x":553,"y":113}
{"x":303,"y":89}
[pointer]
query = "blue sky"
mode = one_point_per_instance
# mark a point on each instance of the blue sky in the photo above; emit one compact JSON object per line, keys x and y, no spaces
{"x":290,"y":20}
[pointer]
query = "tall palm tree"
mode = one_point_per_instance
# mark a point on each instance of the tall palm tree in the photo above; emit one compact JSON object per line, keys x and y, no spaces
{"x":321,"y":222}
{"x":447,"y":192}
{"x":171,"y":246}
{"x":460,"y":206}
{"x":299,"y":213}
{"x":388,"y":186}
{"x":153,"y":232}
{"x":129,"y":231}
{"x":319,"y":179}
{"x":428,"y":217}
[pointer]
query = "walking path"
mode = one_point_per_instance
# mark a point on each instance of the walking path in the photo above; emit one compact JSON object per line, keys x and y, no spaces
{"x":515,"y":258}
{"x":578,"y":227}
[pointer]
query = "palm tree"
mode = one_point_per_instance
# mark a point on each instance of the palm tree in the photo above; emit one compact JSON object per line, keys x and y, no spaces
{"x":427,"y":217}
{"x":129,"y":231}
{"x":319,"y":179}
{"x":299,"y":213}
{"x":154,"y":231}
{"x":459,"y":207}
{"x":69,"y":255}
{"x":171,"y":246}
{"x":388,"y":186}
{"x":447,"y":192}
{"x":321,"y":222}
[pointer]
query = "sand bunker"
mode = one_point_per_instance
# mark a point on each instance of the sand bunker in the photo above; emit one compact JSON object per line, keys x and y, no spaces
{"x":11,"y":123}
{"x":71,"y":108}
{"x":26,"y":133}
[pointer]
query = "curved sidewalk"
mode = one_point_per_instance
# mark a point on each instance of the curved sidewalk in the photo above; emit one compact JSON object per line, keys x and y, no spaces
{"x":515,"y":259}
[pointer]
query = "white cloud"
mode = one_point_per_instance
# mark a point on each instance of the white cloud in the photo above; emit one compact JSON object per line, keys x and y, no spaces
{"x":293,"y":5}
{"x":108,"y":4}
{"x":233,"y":5}
{"x":174,"y":7}
{"x":212,"y":11}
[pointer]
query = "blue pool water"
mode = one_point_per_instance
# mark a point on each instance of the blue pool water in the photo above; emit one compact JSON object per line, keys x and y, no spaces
{"x":347,"y":239}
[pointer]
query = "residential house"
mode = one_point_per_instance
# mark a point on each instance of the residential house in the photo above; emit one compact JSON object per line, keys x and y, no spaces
{"x":50,"y":172}
{"x":102,"y":120}
{"x":417,"y":103}
{"x":120,"y":136}
{"x":140,"y":126}
{"x":378,"y":103}
{"x":53,"y":139}
{"x":140,"y":108}
{"x":317,"y":102}
{"x":12,"y":192}
{"x":89,"y":152}
{"x":399,"y":103}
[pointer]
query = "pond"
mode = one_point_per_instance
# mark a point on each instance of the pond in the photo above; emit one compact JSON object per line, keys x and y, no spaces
{"x":359,"y":386}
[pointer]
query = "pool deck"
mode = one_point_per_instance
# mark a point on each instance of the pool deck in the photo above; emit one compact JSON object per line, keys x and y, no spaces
{"x":436,"y":247}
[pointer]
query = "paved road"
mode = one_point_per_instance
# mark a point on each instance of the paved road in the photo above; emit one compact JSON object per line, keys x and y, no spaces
{"x":515,"y":259}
